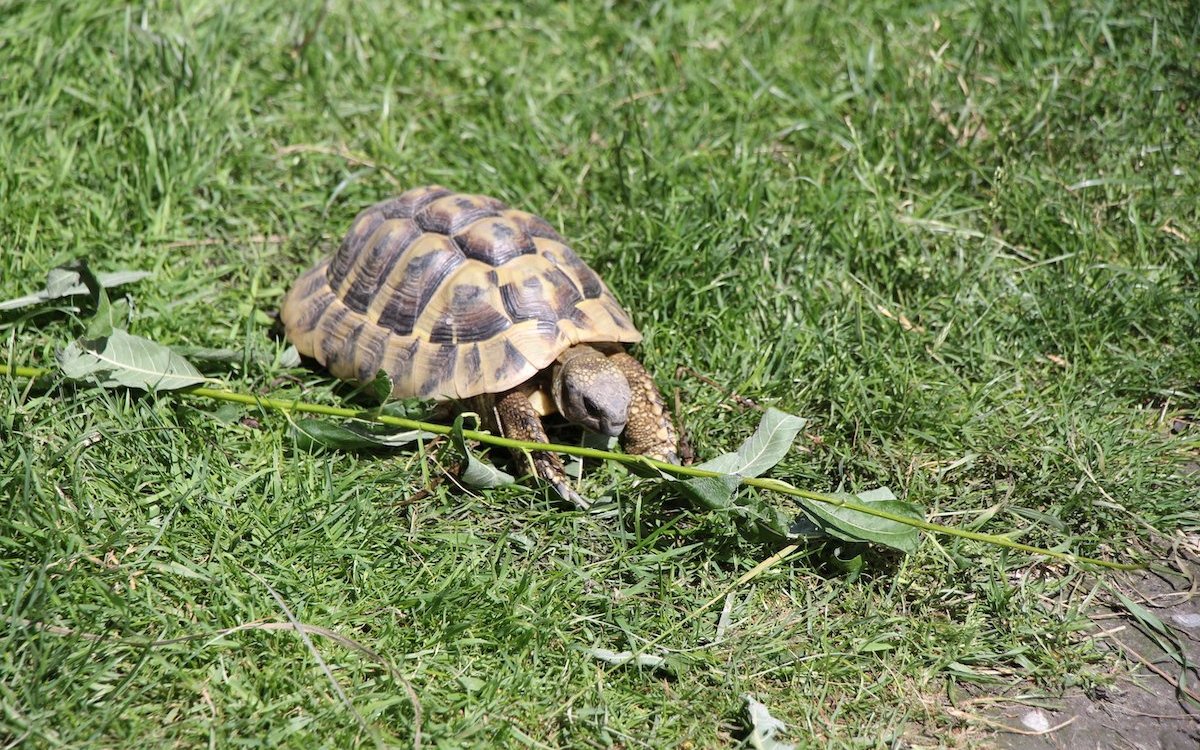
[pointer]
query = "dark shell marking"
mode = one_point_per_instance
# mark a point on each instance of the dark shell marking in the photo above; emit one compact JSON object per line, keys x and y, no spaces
{"x":454,"y":295}
{"x":419,"y":270}
{"x":495,"y":240}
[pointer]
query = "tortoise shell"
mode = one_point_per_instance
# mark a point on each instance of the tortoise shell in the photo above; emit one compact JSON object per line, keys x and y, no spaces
{"x":453,"y":295}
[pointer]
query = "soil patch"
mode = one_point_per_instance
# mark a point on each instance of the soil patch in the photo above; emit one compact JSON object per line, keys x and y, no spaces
{"x":1157,"y":705}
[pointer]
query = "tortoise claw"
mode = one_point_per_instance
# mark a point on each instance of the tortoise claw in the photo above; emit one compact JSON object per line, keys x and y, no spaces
{"x":566,"y":493}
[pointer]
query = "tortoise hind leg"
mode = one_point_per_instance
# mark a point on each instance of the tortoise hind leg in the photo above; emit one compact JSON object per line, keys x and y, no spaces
{"x":520,"y":421}
{"x":649,"y":431}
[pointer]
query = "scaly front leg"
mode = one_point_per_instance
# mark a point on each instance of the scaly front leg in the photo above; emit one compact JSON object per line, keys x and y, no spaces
{"x":520,"y":421}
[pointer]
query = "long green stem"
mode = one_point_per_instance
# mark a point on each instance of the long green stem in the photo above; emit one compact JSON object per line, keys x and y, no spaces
{"x":773,"y":485}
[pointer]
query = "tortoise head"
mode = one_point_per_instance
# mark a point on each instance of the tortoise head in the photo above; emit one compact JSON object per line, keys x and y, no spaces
{"x":591,"y":391}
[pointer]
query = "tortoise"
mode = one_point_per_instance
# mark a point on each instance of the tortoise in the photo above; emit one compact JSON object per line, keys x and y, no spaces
{"x":461,"y":299}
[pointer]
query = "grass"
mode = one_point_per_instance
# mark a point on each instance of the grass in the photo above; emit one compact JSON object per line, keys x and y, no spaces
{"x":961,"y":238}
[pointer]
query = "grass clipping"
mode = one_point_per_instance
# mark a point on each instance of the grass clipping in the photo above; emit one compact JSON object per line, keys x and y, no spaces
{"x":110,"y":356}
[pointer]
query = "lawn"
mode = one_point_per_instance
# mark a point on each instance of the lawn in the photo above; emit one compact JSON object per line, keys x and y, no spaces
{"x":962,"y":239}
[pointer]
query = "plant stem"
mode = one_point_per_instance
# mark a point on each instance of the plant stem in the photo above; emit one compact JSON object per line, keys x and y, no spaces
{"x":773,"y":485}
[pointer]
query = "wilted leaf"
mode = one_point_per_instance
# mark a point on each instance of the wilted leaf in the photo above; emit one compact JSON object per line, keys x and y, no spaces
{"x":121,"y":359}
{"x":621,"y":658}
{"x":478,"y":474}
{"x":764,"y":727}
{"x":852,"y":525}
{"x":481,"y":475}
{"x":289,"y":357}
{"x":316,"y":433}
{"x":66,"y":282}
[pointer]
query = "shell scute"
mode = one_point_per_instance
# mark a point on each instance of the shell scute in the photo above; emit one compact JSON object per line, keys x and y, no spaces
{"x":408,"y":204}
{"x":584,"y":277}
{"x":494,"y":240}
{"x":417,"y":275}
{"x":526,"y":300}
{"x":451,"y":213}
{"x":470,"y":315}
{"x":533,"y":225}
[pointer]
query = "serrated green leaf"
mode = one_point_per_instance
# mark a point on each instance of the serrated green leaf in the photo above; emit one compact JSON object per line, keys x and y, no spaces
{"x":478,"y":474}
{"x":316,"y":433}
{"x":122,"y":359}
{"x":766,"y":447}
{"x":852,"y":525}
